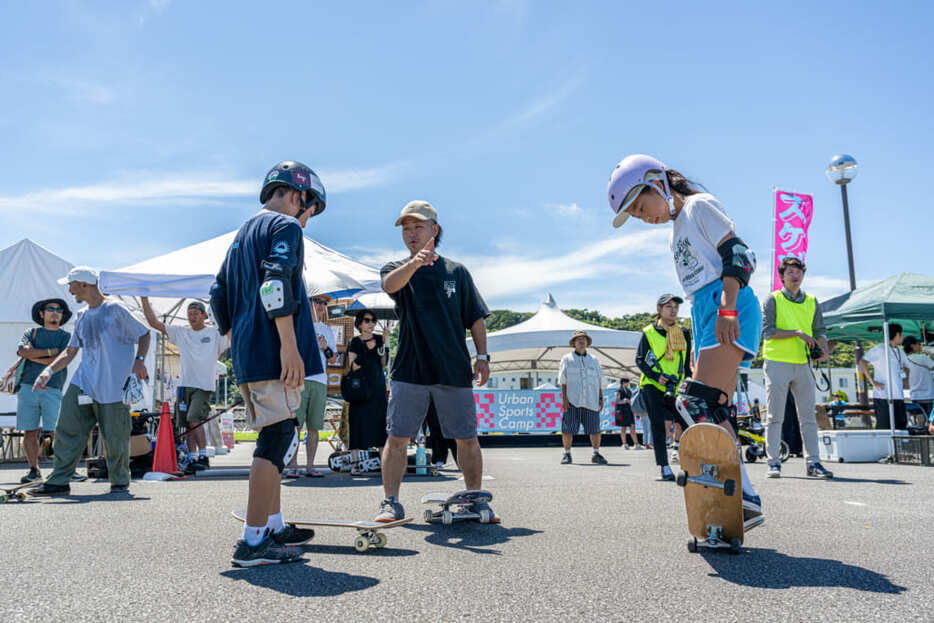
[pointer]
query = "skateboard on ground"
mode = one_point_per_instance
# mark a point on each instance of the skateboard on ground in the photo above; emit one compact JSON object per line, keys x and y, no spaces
{"x":369,"y":532}
{"x":458,"y":507}
{"x":340,"y":461}
{"x":16,"y":493}
{"x":713,"y":488}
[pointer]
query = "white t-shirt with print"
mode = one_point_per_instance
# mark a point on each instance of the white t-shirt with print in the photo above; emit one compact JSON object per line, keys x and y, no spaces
{"x":920,"y":381}
{"x":897,"y":361}
{"x":699,"y":227}
{"x":199,"y":352}
{"x":328,"y":335}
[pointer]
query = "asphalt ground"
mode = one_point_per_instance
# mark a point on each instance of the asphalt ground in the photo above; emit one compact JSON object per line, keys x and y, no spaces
{"x":578,"y":543}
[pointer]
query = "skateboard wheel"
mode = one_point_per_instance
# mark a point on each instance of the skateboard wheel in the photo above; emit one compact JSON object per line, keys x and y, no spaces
{"x":447,"y":518}
{"x":21,"y":496}
{"x":734,"y":546}
{"x":751,"y":456}
{"x":428,"y":516}
{"x":729,"y":487}
{"x":3,"y":498}
{"x":361,"y":544}
{"x":692,"y":546}
{"x":485,"y":516}
{"x":379,"y":540}
{"x":682,"y":478}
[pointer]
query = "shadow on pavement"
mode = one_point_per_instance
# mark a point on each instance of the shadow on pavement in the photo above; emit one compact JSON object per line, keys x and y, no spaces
{"x":335,"y":481}
{"x":471,"y":536}
{"x":301,"y":580}
{"x":101,"y":497}
{"x":776,"y":570}
{"x":347,"y":550}
{"x":881,"y":481}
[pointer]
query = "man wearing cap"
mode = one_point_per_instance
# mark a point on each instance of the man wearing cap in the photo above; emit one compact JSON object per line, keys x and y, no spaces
{"x":581,"y":379}
{"x":664,"y":358}
{"x":39,"y":347}
{"x":792,"y":329}
{"x":113,"y":347}
{"x":436,"y":302}
{"x":314,"y":403}
{"x":199,"y":348}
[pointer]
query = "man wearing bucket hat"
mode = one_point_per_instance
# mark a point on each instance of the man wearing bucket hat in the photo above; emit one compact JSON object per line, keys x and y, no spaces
{"x":114,"y":346}
{"x":437,"y":303}
{"x":39,"y":347}
{"x":199,"y":348}
{"x":581,"y":379}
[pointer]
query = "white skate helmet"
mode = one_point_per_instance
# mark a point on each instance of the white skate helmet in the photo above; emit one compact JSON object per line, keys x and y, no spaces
{"x":630,"y":176}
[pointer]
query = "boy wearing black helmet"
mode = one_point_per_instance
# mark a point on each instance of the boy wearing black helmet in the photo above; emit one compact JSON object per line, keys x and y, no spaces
{"x":259,"y":299}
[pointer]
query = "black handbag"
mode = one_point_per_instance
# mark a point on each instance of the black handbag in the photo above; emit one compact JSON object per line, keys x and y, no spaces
{"x":356,"y":386}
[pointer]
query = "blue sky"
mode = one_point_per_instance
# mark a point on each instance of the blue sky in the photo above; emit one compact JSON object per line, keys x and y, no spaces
{"x":131,"y":129}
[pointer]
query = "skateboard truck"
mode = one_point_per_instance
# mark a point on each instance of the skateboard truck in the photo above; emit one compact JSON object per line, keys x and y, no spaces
{"x":709,"y":477}
{"x":714,"y":540}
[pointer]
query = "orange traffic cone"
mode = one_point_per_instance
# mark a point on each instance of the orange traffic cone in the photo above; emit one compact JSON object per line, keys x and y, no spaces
{"x":164,"y":459}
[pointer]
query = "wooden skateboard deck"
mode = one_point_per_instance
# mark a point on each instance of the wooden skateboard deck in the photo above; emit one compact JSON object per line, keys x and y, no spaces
{"x":462,"y":503}
{"x":16,"y":493}
{"x":713,"y":494}
{"x":369,"y":532}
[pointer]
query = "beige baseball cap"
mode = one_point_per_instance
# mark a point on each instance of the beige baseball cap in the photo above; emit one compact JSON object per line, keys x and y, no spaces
{"x":84,"y":274}
{"x":421,"y":210}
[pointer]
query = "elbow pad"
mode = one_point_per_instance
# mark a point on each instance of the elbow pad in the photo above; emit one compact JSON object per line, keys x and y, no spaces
{"x":739,"y":261}
{"x":276,"y":292}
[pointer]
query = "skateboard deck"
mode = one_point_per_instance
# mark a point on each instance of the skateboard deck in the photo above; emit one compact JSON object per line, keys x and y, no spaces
{"x":16,"y":493}
{"x":458,"y":507}
{"x":369,"y":532}
{"x":713,"y":494}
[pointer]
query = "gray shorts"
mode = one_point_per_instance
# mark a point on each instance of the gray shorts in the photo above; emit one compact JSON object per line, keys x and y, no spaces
{"x":575,"y":416}
{"x":408,"y":406}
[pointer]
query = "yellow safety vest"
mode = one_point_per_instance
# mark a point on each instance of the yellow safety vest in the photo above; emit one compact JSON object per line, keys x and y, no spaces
{"x":791,"y":316}
{"x":671,"y":367}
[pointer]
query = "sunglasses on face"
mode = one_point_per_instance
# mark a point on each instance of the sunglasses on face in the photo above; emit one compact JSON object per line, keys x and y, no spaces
{"x":54,"y":309}
{"x":371,"y":320}
{"x":319,"y":301}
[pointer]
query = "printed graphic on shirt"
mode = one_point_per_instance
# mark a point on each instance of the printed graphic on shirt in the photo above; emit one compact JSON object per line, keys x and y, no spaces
{"x":450,"y":288}
{"x":689,"y":266}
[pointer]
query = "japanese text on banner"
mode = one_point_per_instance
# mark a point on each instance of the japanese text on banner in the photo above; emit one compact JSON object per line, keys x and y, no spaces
{"x":793,"y":214}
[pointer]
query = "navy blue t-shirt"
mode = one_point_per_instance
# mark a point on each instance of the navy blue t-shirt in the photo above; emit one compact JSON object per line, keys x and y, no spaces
{"x":235,"y":299}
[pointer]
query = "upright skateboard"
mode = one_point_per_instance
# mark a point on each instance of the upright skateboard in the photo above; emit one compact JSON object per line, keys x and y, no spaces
{"x":368,"y":532}
{"x":458,"y":507}
{"x":16,"y":493}
{"x":713,"y":488}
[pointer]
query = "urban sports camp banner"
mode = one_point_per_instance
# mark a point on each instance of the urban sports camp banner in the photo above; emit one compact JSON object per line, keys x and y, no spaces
{"x":535,"y":411}
{"x":791,"y":219}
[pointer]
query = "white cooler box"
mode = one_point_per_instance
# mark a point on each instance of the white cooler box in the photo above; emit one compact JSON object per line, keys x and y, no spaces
{"x":856,"y":446}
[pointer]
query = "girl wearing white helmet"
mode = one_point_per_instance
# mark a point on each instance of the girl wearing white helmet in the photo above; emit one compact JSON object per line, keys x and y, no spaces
{"x":714,"y":267}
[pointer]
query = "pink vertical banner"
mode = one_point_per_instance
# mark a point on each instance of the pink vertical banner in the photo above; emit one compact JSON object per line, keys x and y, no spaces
{"x":793,"y":214}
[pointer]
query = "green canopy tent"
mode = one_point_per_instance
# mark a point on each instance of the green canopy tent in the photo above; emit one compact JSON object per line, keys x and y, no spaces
{"x":864,"y":313}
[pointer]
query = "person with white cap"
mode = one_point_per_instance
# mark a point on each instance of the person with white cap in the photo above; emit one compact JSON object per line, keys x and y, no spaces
{"x":581,"y":379}
{"x":714,"y":267}
{"x":436,"y":302}
{"x":113,"y":347}
{"x":199,"y":347}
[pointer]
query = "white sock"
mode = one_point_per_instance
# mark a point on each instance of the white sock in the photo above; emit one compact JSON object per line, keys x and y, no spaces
{"x":747,"y":486}
{"x":567,"y":452}
{"x":202,"y":453}
{"x":275,"y":523}
{"x":253,"y":535}
{"x":596,"y":450}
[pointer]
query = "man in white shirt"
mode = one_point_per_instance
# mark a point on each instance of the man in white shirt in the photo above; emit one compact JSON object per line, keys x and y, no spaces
{"x":310,"y":413}
{"x":920,"y":381}
{"x":887,"y":385}
{"x":581,"y":379}
{"x":199,"y":348}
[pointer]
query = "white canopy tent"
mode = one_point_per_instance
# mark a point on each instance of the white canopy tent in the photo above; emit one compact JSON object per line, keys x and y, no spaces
{"x":539,"y":343}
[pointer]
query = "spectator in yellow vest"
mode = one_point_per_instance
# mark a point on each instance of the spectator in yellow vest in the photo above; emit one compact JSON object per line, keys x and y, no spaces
{"x":794,"y":333}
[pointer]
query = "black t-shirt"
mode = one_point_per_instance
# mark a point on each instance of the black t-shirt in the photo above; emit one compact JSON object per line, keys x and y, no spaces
{"x":370,"y":358}
{"x":435,"y":309}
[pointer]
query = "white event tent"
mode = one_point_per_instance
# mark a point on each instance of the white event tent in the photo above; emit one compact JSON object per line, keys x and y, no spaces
{"x":539,"y":343}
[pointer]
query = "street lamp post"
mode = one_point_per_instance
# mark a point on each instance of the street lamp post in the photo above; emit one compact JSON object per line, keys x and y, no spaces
{"x":841,"y":171}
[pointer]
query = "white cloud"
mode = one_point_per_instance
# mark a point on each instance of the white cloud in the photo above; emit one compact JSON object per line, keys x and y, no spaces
{"x":565,"y":209}
{"x":174,"y":187}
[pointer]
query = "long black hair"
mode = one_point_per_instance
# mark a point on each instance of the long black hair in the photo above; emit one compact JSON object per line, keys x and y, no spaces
{"x":682,"y":185}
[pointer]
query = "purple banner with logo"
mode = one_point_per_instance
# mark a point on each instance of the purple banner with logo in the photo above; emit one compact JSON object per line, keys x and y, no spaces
{"x":535,"y":411}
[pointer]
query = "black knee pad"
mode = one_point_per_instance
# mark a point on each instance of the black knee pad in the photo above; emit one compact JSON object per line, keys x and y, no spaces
{"x":698,"y":402}
{"x":277,"y":443}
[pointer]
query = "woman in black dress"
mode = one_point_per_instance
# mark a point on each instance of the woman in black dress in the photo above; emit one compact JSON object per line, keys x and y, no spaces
{"x":368,"y":419}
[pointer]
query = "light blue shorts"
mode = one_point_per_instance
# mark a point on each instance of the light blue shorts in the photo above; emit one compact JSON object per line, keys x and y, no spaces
{"x":35,"y":406}
{"x":704,"y":319}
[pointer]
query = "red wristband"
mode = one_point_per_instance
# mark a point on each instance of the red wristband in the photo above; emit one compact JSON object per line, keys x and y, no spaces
{"x":730,"y":313}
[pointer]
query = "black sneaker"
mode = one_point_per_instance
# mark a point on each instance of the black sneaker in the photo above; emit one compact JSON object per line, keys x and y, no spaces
{"x":293,"y":535}
{"x":49,"y":490}
{"x":816,"y":470}
{"x":203,"y":460}
{"x":266,"y":552}
{"x":667,"y":474}
{"x":566,"y":459}
{"x":31,"y":476}
{"x":119,"y":488}
{"x":598,"y":459}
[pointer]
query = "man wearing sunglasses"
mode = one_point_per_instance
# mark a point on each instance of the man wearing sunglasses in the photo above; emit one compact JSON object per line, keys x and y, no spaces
{"x":39,"y":347}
